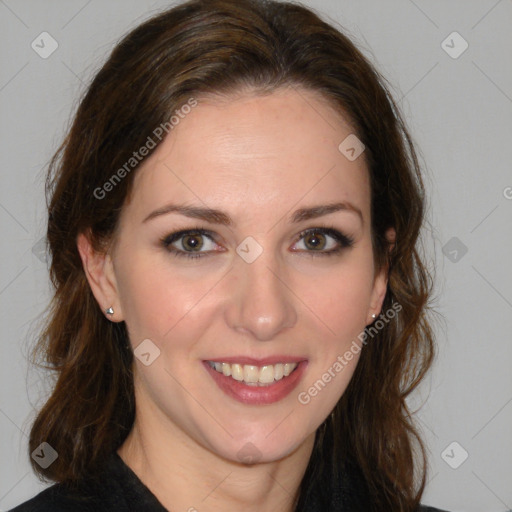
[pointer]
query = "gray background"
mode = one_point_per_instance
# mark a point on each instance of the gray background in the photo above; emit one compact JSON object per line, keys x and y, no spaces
{"x":460,"y":113}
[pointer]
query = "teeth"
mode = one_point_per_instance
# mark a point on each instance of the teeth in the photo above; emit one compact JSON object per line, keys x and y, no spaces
{"x":288,"y":368}
{"x":237,"y":372}
{"x":251,"y":374}
{"x":254,"y":375}
{"x":226,"y":369}
{"x":266,"y":375}
{"x":278,"y":371}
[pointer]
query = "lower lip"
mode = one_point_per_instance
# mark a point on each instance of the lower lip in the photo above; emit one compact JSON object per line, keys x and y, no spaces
{"x":257,"y":395}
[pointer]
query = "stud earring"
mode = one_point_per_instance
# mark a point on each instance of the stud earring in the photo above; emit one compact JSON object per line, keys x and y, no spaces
{"x":374,"y":316}
{"x":109,"y":311}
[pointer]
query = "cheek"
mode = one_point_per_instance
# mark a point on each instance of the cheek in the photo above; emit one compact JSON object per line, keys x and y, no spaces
{"x":157,"y":301}
{"x":340,"y":299}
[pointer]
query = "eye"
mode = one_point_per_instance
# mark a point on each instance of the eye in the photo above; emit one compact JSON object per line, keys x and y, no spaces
{"x":323,"y":241}
{"x":190,"y":243}
{"x":199,"y":242}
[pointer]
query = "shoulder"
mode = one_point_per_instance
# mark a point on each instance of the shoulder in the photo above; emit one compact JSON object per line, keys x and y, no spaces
{"x":114,"y":487}
{"x":98,"y":493}
{"x":59,"y":498}
{"x":355,"y":491}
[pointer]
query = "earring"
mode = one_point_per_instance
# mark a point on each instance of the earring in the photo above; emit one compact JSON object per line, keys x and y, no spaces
{"x":109,"y":311}
{"x":374,"y":316}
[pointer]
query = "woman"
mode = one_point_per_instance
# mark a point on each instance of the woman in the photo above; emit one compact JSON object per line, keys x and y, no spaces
{"x":239,"y":311}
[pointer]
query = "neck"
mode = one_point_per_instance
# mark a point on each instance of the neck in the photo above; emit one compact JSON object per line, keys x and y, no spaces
{"x":184,"y":475}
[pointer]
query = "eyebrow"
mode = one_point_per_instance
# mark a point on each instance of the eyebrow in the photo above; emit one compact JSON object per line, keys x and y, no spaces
{"x":219,"y":217}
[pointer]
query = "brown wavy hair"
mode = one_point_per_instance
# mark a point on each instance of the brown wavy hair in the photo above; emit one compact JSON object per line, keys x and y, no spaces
{"x":224,"y":47}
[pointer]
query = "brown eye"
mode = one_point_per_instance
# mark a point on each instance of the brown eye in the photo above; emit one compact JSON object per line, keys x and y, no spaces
{"x":192,"y":242}
{"x":315,"y":240}
{"x":322,"y":242}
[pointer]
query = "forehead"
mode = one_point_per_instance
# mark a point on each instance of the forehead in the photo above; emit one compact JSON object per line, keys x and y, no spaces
{"x":264,"y":152}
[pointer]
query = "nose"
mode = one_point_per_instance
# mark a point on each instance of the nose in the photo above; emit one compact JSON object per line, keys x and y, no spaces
{"x":261,"y":301}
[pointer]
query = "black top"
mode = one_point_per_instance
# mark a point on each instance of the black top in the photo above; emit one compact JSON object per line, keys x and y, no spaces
{"x":119,"y":489}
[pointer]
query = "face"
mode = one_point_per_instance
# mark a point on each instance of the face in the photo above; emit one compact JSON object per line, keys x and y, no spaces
{"x":267,"y":274}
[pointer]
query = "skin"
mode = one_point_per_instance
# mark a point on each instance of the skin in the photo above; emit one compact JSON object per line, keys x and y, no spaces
{"x":258,"y":158}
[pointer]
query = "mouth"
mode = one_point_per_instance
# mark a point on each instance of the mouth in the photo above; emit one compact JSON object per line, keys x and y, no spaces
{"x":255,"y":382}
{"x":253,"y":375}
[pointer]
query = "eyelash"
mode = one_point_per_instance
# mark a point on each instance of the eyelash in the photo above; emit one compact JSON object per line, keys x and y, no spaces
{"x":343,"y":240}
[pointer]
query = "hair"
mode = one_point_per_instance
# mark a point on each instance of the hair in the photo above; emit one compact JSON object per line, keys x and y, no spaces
{"x":224,"y":47}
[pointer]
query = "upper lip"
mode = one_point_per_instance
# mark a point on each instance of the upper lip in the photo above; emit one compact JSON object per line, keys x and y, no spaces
{"x":253,"y":361}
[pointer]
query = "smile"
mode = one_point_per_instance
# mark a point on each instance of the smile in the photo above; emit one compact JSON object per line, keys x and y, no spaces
{"x":256,"y":384}
{"x":254,"y":375}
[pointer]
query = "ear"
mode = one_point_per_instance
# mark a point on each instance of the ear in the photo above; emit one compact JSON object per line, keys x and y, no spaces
{"x":99,"y":270}
{"x":380,"y":283}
